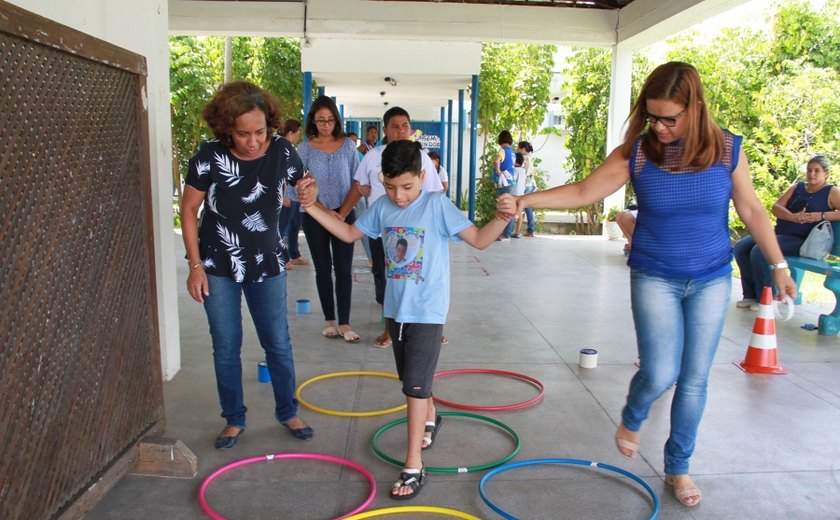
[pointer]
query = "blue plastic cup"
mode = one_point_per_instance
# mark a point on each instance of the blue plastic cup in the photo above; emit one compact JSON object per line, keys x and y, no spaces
{"x":302,"y":306}
{"x":262,"y":372}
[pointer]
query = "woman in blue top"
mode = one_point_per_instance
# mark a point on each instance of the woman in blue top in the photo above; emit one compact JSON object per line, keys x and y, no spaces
{"x":684,"y":169}
{"x":797,"y":211}
{"x":240,"y":178}
{"x":333,"y":160}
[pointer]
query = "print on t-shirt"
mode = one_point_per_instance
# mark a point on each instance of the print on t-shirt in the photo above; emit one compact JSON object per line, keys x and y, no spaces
{"x":404,"y":252}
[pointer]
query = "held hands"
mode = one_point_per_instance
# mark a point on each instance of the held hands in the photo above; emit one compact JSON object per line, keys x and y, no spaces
{"x":307,"y":190}
{"x":509,"y":207}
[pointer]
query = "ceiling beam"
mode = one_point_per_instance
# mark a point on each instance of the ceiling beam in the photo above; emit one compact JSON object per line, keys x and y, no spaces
{"x":645,"y":22}
{"x":396,"y":21}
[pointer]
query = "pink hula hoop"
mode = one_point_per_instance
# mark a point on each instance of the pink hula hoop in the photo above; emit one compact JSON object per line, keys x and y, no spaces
{"x":267,"y":458}
{"x":501,"y":408}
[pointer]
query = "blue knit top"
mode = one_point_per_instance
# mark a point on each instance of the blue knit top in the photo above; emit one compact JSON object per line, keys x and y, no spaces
{"x":682,"y":229}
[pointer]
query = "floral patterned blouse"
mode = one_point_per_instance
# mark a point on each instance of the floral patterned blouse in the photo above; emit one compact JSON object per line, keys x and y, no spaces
{"x":238,"y":234}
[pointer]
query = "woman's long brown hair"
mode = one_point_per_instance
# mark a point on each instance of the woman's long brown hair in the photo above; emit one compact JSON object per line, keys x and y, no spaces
{"x":703,"y":143}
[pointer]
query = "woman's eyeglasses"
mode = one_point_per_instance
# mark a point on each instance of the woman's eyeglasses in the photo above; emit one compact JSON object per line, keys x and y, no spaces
{"x":323,"y":122}
{"x":670,"y":122}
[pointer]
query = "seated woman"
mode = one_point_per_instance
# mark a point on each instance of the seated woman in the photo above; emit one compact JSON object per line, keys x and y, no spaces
{"x":626,"y":220}
{"x":797,"y":211}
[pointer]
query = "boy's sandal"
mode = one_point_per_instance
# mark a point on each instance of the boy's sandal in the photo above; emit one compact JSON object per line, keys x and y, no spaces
{"x":688,"y":497}
{"x":412,"y":479}
{"x":382,"y":342}
{"x":330,"y":332}
{"x":350,"y":336}
{"x":431,"y":432}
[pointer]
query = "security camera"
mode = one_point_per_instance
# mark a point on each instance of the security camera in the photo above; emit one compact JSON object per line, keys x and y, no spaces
{"x":387,"y":79}
{"x":381,"y":92}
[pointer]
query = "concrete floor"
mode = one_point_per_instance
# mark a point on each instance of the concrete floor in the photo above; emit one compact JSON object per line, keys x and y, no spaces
{"x":768,"y":445}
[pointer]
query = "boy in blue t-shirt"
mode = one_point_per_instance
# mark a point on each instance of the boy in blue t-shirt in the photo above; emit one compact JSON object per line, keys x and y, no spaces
{"x":416,"y":228}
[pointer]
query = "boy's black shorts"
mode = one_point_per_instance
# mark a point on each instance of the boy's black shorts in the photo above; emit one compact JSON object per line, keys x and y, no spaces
{"x":416,"y":351}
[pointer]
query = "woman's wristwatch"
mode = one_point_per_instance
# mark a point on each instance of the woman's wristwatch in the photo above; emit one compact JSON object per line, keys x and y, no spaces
{"x":780,"y":265}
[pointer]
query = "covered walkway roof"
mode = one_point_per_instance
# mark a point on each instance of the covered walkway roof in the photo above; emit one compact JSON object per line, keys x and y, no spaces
{"x":430,"y":48}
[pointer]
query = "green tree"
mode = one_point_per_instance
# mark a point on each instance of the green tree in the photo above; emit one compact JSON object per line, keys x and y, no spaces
{"x":586,"y":108}
{"x":514,"y":92}
{"x":192,"y":80}
{"x":197,"y":68}
{"x":776,"y":90}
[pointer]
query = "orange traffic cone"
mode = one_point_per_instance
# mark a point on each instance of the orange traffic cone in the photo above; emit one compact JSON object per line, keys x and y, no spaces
{"x":761,"y":352}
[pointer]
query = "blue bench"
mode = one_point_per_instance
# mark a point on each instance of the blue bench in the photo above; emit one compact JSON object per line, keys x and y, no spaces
{"x":829,"y":324}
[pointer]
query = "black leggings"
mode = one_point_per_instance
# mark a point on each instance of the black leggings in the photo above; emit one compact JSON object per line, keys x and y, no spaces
{"x":328,"y":254}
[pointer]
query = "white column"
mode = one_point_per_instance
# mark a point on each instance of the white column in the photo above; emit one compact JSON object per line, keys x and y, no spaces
{"x":619,"y":109}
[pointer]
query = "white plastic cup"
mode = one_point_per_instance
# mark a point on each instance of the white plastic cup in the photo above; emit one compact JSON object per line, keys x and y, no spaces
{"x":302,"y":306}
{"x":588,"y":358}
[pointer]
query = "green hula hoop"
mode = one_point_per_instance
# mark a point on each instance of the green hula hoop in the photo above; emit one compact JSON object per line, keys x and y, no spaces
{"x":440,"y":469}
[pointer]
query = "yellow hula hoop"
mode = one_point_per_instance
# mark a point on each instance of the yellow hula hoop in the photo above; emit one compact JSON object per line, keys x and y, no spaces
{"x":341,"y":413}
{"x":411,"y":509}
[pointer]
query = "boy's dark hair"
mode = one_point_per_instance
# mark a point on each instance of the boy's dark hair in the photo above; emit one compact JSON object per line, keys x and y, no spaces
{"x":400,"y":157}
{"x":505,"y":137}
{"x":352,"y":134}
{"x":403,"y":242}
{"x":394,"y":111}
{"x":374,"y":127}
{"x":434,"y":155}
{"x":519,"y":159}
{"x":526,"y":145}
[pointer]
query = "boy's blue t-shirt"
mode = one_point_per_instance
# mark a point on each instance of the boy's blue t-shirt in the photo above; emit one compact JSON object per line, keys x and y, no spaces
{"x":416,"y":244}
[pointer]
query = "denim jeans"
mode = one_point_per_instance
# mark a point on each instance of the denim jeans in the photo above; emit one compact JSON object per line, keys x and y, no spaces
{"x":529,"y":212}
{"x":755,"y":273}
{"x":678,"y":327}
{"x":331,"y":254}
{"x":290,"y":227}
{"x":267,"y":305}
{"x":500,"y":190}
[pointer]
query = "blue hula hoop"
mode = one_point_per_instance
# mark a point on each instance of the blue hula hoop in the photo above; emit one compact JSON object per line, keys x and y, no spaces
{"x":576,"y":462}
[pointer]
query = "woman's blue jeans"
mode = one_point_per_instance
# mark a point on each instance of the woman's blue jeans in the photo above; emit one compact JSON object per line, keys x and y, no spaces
{"x":755,"y":272}
{"x":267,"y":304}
{"x":678,"y":327}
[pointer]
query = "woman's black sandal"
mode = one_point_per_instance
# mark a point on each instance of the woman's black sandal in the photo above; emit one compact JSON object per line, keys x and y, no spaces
{"x":411,"y":480}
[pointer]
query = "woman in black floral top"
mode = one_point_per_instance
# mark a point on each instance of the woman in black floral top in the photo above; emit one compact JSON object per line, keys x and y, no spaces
{"x":240,"y":178}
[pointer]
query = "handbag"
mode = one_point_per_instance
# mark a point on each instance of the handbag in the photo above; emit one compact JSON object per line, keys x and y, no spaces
{"x":819,"y":242}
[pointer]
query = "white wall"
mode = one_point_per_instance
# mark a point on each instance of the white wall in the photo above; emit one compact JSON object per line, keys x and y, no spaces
{"x":140,"y":26}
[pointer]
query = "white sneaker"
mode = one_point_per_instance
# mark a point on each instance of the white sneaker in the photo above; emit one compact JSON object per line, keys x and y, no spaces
{"x":746,"y":303}
{"x":754,"y":306}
